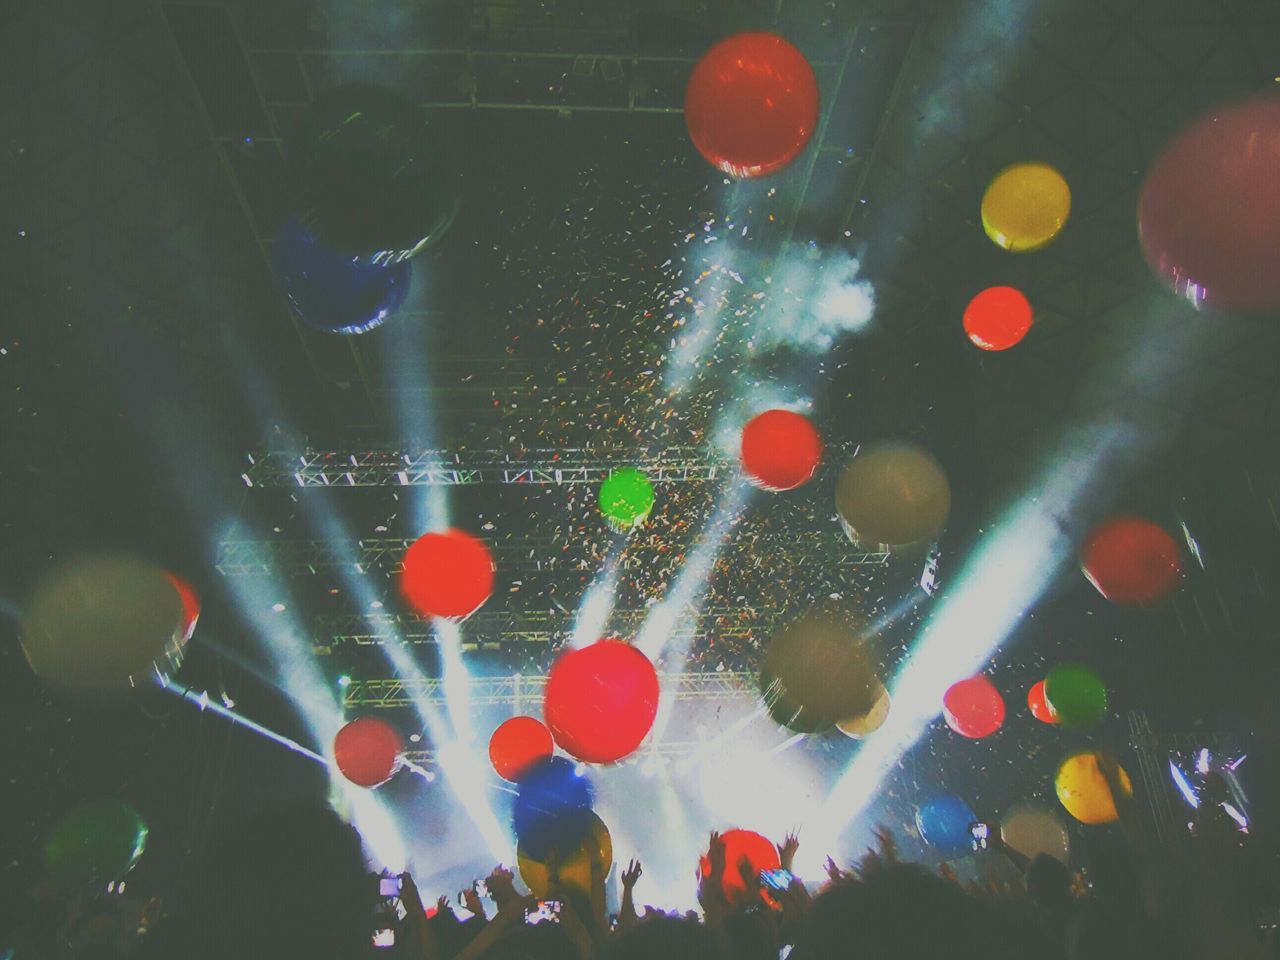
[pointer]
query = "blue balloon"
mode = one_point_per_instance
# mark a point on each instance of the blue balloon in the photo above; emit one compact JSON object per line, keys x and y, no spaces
{"x":944,"y":821}
{"x":552,"y":803}
{"x":333,"y":292}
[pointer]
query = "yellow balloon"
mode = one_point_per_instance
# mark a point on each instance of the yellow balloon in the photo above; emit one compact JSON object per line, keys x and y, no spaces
{"x":103,"y":624}
{"x":869,"y":722}
{"x":893,"y":493}
{"x":1025,"y":207}
{"x":575,"y":869}
{"x":1083,"y":789}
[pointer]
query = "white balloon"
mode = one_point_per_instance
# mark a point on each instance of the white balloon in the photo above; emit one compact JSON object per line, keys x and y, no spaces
{"x":1031,"y":830}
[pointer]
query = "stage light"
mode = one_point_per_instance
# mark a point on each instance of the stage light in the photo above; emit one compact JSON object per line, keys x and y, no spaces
{"x":344,"y":681}
{"x":596,"y":606}
{"x":278,"y":607}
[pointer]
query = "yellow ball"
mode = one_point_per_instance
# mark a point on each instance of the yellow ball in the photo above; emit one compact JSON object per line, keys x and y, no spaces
{"x":575,"y":868}
{"x":1083,"y":789}
{"x":1025,"y":207}
{"x":867,"y":723}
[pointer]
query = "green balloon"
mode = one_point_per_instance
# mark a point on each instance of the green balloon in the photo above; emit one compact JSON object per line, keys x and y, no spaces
{"x":1075,"y":695}
{"x":96,"y":842}
{"x":626,"y":497}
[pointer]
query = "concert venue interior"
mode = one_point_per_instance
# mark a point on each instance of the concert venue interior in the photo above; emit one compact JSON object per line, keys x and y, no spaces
{"x":842,"y":418}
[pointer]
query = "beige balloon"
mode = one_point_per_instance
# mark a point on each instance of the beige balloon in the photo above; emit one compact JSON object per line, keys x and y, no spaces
{"x":868,"y":723}
{"x":893,"y":493}
{"x":1031,"y":830}
{"x":103,"y":624}
{"x":819,"y":666}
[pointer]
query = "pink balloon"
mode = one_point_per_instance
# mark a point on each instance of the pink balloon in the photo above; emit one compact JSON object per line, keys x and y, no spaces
{"x":1209,"y":213}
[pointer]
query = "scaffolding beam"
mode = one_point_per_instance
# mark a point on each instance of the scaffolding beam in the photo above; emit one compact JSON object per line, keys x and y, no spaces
{"x":392,"y":468}
{"x":520,"y":690}
{"x":537,"y":553}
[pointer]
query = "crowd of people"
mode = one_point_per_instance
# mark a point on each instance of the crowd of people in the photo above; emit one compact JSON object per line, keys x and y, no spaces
{"x":294,"y":883}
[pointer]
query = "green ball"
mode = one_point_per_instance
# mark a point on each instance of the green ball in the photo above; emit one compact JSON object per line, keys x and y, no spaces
{"x":1075,"y":695}
{"x":626,"y":497}
{"x":96,"y":842}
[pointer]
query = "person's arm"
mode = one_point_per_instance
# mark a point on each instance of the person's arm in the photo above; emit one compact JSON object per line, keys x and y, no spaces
{"x":509,"y":915}
{"x":787,"y":851}
{"x":422,"y":940}
{"x":715,"y":908}
{"x":627,"y":912}
{"x":501,"y":884}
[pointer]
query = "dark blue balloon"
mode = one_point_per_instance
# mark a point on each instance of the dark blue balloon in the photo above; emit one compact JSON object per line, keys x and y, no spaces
{"x":944,"y":821}
{"x":333,"y":292}
{"x":552,"y":803}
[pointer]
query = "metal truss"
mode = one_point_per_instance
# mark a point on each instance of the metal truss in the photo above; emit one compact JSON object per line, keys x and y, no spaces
{"x":498,"y":629}
{"x":662,"y":751}
{"x":389,"y":468}
{"x":1152,"y":750}
{"x":532,"y":554}
{"x":523,"y":691}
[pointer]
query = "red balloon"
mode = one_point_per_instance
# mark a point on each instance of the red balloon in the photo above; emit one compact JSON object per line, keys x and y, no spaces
{"x":780,"y":450}
{"x":751,"y":104}
{"x":997,"y":318}
{"x":190,"y":604}
{"x":601,"y":700}
{"x":367,"y":750}
{"x":1209,"y":212}
{"x":1131,"y":561}
{"x":761,"y":854}
{"x":517,"y":745}
{"x":1039,"y":705}
{"x":973,"y":708}
{"x":447,"y":574}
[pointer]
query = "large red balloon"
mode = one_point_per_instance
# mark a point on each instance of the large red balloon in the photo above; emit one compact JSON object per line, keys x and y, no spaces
{"x":1038,"y":704}
{"x":997,"y":318}
{"x":517,"y":745}
{"x":760,"y":853}
{"x":973,"y":708}
{"x":780,"y":450}
{"x":751,"y":104}
{"x":1209,"y":212}
{"x":367,"y":750}
{"x":447,"y":574}
{"x":190,"y":603}
{"x":601,"y":700}
{"x":1131,"y":561}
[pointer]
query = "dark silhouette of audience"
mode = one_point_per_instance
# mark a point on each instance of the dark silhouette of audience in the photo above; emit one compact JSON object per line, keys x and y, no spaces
{"x":294,"y":883}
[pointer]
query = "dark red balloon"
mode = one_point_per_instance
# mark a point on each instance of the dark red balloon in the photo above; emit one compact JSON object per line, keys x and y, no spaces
{"x":447,"y":574}
{"x":1038,"y":704}
{"x":780,"y":450}
{"x":190,"y":603}
{"x":367,"y":750}
{"x":1131,"y":561}
{"x":997,"y":318}
{"x":751,"y":104}
{"x":973,"y":708}
{"x":517,"y":745}
{"x":601,"y":700}
{"x":1209,"y":212}
{"x":760,"y":853}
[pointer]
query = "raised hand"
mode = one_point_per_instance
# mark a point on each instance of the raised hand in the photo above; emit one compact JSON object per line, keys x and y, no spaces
{"x":501,"y":885}
{"x":787,"y":850}
{"x":833,"y":871}
{"x":888,"y":846}
{"x":630,"y":875}
{"x":471,"y":900}
{"x":716,"y":854}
